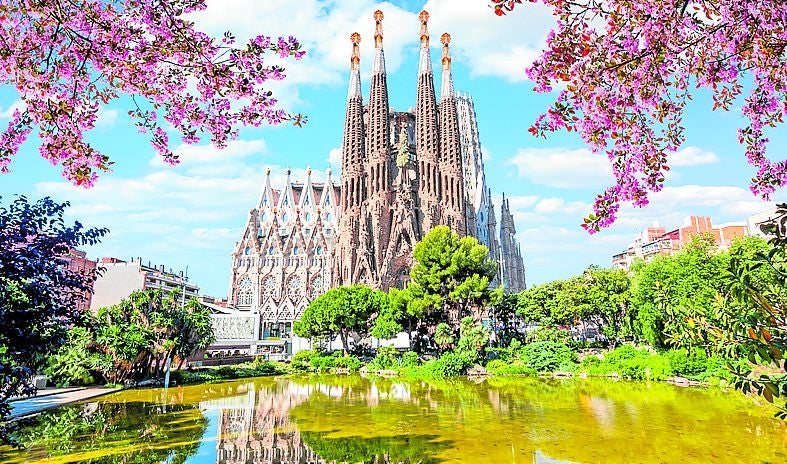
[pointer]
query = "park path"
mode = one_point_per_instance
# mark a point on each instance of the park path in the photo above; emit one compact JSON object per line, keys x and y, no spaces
{"x":48,"y":399}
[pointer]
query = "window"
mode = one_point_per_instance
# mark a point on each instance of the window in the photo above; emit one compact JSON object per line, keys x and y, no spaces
{"x":295,"y":251}
{"x":319,"y":250}
{"x":329,"y":217}
{"x":270,"y":251}
{"x":264,"y":217}
{"x":308,"y":217}
{"x":285,"y":217}
{"x":247,"y":251}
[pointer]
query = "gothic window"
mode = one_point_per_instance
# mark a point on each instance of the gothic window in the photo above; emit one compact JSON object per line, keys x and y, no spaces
{"x":308,"y":217}
{"x":285,"y":217}
{"x":247,"y":251}
{"x":286,"y":200}
{"x":295,"y":251}
{"x":269,"y":286}
{"x":328,"y":200}
{"x":295,"y":285}
{"x":306,"y":201}
{"x":270,"y":251}
{"x":319,"y":250}
{"x":244,"y":292}
{"x":329,"y":217}
{"x":264,"y":217}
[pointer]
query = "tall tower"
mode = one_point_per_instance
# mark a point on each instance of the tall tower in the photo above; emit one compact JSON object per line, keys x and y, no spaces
{"x":473,"y":169}
{"x":378,"y":149}
{"x":427,"y":139}
{"x":353,"y":173}
{"x":450,"y":154}
{"x":512,"y":267}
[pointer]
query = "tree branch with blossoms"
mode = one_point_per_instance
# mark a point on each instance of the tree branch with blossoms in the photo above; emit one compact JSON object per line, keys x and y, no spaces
{"x":628,"y":68}
{"x":66,"y":58}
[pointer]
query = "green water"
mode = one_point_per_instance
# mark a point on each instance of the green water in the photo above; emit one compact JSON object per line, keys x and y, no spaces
{"x":351,"y":419}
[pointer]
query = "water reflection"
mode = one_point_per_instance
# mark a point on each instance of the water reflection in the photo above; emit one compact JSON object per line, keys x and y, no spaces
{"x":331,"y":419}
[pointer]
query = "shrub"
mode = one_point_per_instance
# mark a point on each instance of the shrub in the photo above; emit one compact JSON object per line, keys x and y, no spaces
{"x":387,"y":357}
{"x":301,"y":361}
{"x":347,"y":362}
{"x":410,"y":358}
{"x":73,"y":364}
{"x":451,"y":364}
{"x":549,"y":334}
{"x":687,"y":363}
{"x":500,"y":367}
{"x":548,"y":356}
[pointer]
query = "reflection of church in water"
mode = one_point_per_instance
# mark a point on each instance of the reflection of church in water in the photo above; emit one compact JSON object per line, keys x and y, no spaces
{"x":403,"y":173}
{"x":255,"y":427}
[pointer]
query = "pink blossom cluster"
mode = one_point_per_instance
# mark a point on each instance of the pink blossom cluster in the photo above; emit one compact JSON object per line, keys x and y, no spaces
{"x":65,"y":58}
{"x":629,"y":68}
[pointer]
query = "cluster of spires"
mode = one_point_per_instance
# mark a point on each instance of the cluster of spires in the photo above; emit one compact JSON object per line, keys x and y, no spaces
{"x":371,"y":207}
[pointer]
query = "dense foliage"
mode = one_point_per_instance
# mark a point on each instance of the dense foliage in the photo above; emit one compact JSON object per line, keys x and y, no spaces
{"x":132,"y":339}
{"x":67,"y":58}
{"x":451,"y":277}
{"x":39,"y":294}
{"x":341,"y":311}
{"x":626,"y":71}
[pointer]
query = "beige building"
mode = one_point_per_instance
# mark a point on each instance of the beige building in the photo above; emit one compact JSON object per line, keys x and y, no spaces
{"x":756,"y":220}
{"x":118,"y":279}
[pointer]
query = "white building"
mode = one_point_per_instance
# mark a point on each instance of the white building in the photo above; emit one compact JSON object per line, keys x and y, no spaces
{"x":118,"y":279}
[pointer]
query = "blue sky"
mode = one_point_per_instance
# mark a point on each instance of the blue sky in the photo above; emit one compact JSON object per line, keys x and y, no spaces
{"x":192,"y":214}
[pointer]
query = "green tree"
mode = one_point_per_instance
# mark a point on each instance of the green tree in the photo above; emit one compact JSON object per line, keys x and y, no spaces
{"x":541,"y":304}
{"x":341,"y":311}
{"x":134,"y":338}
{"x":604,"y":299}
{"x":671,"y":290}
{"x":450,"y":278}
{"x":444,"y":336}
{"x":505,"y":318}
{"x":39,"y":294}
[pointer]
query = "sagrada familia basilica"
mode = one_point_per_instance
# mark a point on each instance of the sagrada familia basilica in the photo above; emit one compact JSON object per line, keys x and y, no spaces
{"x":402,"y":173}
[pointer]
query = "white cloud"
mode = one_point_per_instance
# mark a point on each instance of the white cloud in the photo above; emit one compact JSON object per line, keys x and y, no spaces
{"x":8,"y":112}
{"x":488,"y":44}
{"x":106,"y":117}
{"x":692,"y":156}
{"x":335,"y":160}
{"x":563,"y":167}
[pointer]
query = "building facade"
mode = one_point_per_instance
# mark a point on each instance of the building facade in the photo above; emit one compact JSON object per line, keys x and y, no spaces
{"x":118,"y":279}
{"x":402,"y":173}
{"x":657,"y":240}
{"x":78,"y":262}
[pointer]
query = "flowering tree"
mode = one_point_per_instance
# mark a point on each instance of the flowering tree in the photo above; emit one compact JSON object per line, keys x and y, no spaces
{"x":628,"y":68}
{"x":65,"y":58}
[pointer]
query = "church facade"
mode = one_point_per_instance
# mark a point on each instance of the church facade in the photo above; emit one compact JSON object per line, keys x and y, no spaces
{"x":402,"y":173}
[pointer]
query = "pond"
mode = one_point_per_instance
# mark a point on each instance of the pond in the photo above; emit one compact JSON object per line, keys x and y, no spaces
{"x":351,"y":419}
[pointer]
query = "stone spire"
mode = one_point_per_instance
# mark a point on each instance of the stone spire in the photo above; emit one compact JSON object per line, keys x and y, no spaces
{"x":512,"y":266}
{"x":355,"y":69}
{"x":426,"y":135}
{"x":450,"y":157}
{"x":378,"y":169}
{"x":353,"y":189}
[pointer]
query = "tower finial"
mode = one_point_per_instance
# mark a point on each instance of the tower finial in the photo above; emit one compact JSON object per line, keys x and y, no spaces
{"x":445,"y":39}
{"x":423,"y":16}
{"x":355,"y":59}
{"x":378,"y":29}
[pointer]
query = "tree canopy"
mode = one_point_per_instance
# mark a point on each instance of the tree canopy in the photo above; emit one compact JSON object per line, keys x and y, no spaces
{"x":451,"y":276}
{"x":341,"y":311}
{"x":626,"y":71}
{"x":39,"y":294}
{"x":67,"y":58}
